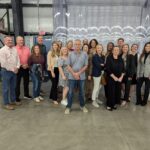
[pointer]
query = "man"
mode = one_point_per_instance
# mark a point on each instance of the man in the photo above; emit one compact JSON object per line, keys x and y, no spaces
{"x":77,"y":64}
{"x":120,"y":43}
{"x":23,"y":72}
{"x":10,"y":64}
{"x":85,"y":41}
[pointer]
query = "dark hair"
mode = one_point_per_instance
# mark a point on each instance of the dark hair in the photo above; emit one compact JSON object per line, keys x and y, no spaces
{"x":133,"y":45}
{"x":91,"y":42}
{"x":120,"y":39}
{"x":143,"y":52}
{"x":126,"y":45}
{"x":32,"y":49}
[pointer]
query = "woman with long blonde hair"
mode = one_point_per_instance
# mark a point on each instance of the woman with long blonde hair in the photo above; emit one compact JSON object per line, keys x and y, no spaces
{"x":52,"y":62}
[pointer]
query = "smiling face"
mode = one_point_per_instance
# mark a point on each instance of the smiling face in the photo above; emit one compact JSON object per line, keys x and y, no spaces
{"x":85,"y":48}
{"x":99,"y":49}
{"x":125,"y":49}
{"x":134,"y":48}
{"x":64,"y":51}
{"x":115,"y":51}
{"x":36,"y":50}
{"x":77,"y":45}
{"x":8,"y":41}
{"x":20,"y":41}
{"x":147,"y":48}
{"x":40,"y":40}
{"x":55,"y":46}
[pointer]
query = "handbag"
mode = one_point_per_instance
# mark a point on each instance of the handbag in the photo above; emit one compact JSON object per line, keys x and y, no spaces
{"x":103,"y":80}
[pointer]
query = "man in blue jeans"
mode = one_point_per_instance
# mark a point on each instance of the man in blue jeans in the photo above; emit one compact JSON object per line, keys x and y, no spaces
{"x":77,"y":64}
{"x":10,"y":63}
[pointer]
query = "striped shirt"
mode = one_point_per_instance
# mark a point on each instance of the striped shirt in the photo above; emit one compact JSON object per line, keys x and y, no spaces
{"x":9,"y":58}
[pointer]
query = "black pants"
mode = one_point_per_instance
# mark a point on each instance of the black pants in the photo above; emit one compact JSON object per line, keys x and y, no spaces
{"x":25,"y":74}
{"x":127,"y":83}
{"x":138,"y":89}
{"x":53,"y":91}
{"x":114,"y":92}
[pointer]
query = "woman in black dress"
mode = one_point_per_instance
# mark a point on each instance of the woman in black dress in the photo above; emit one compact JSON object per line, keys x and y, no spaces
{"x":115,"y":71}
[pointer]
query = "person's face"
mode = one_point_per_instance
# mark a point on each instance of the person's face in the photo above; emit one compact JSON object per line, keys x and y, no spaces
{"x":120,"y":43}
{"x":115,"y":51}
{"x":147,"y":48}
{"x":134,"y":48}
{"x":93,"y":44}
{"x":70,"y":45}
{"x":64,"y":51}
{"x":55,"y":47}
{"x":8,"y":41}
{"x":99,"y":49}
{"x":40,"y":39}
{"x":20,"y":41}
{"x":36,"y":50}
{"x":85,"y":48}
{"x":78,"y":45}
{"x":110,"y":47}
{"x":85,"y":41}
{"x":125,"y":49}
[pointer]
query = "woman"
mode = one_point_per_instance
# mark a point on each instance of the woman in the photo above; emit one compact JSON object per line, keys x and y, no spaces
{"x":110,"y":46}
{"x":129,"y":66}
{"x":36,"y":64}
{"x":52,"y":62}
{"x":92,"y":46}
{"x":143,"y":75}
{"x":63,"y":78}
{"x":115,"y":72}
{"x":70,"y":46}
{"x":88,"y":82}
{"x":98,"y":64}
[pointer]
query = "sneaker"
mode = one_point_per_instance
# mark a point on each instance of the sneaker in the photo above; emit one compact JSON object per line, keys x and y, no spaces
{"x":27,"y":97}
{"x":64,"y":102}
{"x":99,"y":101}
{"x":55,"y":102}
{"x":109,"y":108}
{"x":41,"y":98}
{"x":123,"y":103}
{"x":37,"y":100}
{"x":67,"y":111}
{"x":84,"y":109}
{"x":95,"y":104}
{"x":9,"y":107}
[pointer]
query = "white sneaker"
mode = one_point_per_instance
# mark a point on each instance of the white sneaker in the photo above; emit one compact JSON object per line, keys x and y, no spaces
{"x":37,"y":100}
{"x":67,"y":111}
{"x":64,"y":102}
{"x":99,"y":101}
{"x":41,"y":98}
{"x":95,"y":104}
{"x":123,"y":103}
{"x":84,"y":109}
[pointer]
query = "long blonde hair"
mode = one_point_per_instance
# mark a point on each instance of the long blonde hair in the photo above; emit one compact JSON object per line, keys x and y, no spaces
{"x":53,"y":52}
{"x":61,"y":51}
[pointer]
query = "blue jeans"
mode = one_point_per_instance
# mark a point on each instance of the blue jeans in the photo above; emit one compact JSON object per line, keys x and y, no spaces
{"x":72,"y":85}
{"x":8,"y":86}
{"x":36,"y":85}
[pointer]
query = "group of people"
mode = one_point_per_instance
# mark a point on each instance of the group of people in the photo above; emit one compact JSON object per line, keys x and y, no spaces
{"x":81,"y":66}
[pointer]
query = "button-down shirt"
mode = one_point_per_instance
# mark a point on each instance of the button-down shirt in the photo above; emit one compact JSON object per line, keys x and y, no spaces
{"x":77,"y":61}
{"x":24,"y":54}
{"x":9,"y":58}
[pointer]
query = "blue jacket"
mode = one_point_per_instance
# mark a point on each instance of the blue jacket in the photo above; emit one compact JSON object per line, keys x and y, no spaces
{"x":97,"y":68}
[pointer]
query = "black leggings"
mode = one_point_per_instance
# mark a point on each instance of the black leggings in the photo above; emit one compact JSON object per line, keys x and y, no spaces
{"x":53,"y":91}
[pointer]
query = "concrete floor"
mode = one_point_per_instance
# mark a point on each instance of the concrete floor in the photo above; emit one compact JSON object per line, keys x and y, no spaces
{"x":45,"y":127}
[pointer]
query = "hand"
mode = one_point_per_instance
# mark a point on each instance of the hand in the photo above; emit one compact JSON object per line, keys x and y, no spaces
{"x":129,"y":78}
{"x":64,"y":78}
{"x":53,"y":74}
{"x":115,"y":78}
{"x":102,"y":65}
{"x":25,"y":66}
{"x":89,"y":77}
{"x":15,"y":70}
{"x":76,"y":76}
{"x":120,"y":79}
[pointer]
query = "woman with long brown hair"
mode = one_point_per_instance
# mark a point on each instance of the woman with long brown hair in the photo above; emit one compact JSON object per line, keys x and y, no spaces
{"x":143,"y":75}
{"x":36,"y":64}
{"x":52,"y":62}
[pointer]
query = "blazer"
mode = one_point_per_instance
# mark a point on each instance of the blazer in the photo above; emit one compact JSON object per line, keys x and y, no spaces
{"x":144,"y":69}
{"x":96,"y":65}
